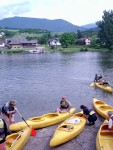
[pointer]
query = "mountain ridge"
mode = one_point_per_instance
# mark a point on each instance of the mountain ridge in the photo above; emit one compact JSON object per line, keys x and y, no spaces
{"x":56,"y":25}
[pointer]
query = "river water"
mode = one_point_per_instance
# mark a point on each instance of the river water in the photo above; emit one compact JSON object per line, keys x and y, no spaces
{"x":38,"y":81}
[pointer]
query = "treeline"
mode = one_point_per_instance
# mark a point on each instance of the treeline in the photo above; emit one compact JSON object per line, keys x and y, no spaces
{"x":43,"y":36}
{"x":35,"y":31}
{"x":11,"y":32}
{"x":102,"y":38}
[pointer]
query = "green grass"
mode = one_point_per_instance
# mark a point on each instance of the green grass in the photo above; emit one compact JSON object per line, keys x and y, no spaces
{"x":12,"y":51}
{"x":28,"y":34}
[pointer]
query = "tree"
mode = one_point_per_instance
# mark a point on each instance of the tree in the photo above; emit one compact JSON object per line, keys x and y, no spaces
{"x":9,"y":34}
{"x":79,"y":34}
{"x":67,"y":39}
{"x":44,"y":39}
{"x":95,"y":43}
{"x":105,"y":33}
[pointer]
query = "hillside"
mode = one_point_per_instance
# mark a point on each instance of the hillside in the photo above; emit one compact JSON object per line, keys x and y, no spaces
{"x":89,"y":26}
{"x":57,"y":25}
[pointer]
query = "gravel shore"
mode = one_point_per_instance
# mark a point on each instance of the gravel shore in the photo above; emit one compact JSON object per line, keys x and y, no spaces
{"x":86,"y":140}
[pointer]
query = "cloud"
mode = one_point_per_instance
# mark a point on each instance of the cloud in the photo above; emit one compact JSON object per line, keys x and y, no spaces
{"x":78,"y":12}
{"x":14,"y":9}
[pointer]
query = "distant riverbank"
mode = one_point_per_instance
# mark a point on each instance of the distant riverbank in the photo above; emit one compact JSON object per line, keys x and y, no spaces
{"x":54,"y":49}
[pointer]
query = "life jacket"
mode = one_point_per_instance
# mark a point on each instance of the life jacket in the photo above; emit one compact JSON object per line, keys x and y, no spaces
{"x":64,"y":105}
{"x":4,"y":110}
{"x":91,"y":112}
{"x":3,"y":131}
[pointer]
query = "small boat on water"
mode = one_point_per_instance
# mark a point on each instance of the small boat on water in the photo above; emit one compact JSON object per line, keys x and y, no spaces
{"x":104,"y":139}
{"x":69,"y":129}
{"x":37,"y":50}
{"x":102,"y":108}
{"x":17,"y":141}
{"x":106,"y":88}
{"x":42,"y":121}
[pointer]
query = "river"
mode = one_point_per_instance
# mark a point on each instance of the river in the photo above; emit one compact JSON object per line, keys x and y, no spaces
{"x":38,"y":81}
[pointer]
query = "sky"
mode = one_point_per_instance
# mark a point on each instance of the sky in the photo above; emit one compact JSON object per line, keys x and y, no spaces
{"x":77,"y":12}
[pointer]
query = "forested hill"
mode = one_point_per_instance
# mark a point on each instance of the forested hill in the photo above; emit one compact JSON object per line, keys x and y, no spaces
{"x":57,"y":25}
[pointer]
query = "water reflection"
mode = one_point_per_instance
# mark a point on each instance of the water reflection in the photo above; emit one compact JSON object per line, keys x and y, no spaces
{"x":106,"y":63}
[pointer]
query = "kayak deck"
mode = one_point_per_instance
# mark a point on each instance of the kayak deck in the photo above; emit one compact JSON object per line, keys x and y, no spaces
{"x":102,"y":108}
{"x":105,"y":138}
{"x":43,"y":121}
{"x":69,"y":129}
{"x":16,"y":141}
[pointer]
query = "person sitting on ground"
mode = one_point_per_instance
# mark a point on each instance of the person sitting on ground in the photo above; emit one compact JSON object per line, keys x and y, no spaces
{"x":97,"y":78}
{"x":65,"y":105}
{"x":110,"y":122}
{"x":89,"y":114}
{"x":8,"y":111}
{"x":3,"y":134}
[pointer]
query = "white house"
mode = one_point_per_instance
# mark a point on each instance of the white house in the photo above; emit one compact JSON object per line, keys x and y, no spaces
{"x":54,"y":42}
{"x":86,"y":40}
{"x":2,"y":34}
{"x":2,"y":43}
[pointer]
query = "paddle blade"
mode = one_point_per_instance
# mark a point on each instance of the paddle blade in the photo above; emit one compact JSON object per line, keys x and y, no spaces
{"x":33,"y":132}
{"x":92,"y":84}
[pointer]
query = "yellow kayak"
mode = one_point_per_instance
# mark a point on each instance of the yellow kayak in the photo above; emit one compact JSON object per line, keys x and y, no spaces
{"x":16,"y":141}
{"x":42,"y":121}
{"x":106,"y":88}
{"x":69,"y":129}
{"x":102,"y":108}
{"x":104,"y":139}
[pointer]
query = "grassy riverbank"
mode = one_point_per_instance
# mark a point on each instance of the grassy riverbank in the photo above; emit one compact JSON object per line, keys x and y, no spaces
{"x":54,"y":49}
{"x":12,"y":51}
{"x":74,"y":49}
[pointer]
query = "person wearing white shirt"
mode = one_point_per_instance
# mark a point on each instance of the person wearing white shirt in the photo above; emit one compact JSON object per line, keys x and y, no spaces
{"x":110,"y":122}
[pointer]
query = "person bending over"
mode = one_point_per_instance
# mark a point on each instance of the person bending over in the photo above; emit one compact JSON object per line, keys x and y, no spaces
{"x":89,"y":114}
{"x":8,"y":111}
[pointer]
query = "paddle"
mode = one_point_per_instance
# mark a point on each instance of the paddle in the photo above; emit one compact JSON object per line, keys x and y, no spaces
{"x":33,"y":132}
{"x":110,"y":84}
{"x":92,"y":84}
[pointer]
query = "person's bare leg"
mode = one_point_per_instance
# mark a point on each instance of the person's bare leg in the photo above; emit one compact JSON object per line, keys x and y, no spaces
{"x":11,"y":118}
